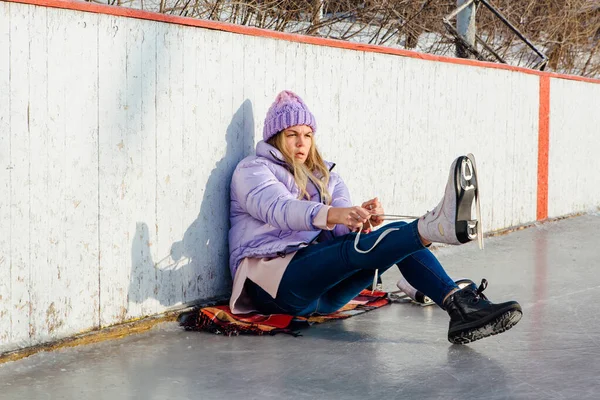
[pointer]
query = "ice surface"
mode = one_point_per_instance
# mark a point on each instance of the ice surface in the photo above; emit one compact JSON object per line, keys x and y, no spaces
{"x":399,"y":351}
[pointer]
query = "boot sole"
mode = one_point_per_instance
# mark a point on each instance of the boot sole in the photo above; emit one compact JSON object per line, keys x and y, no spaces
{"x":500,"y":324}
{"x":467,"y":191}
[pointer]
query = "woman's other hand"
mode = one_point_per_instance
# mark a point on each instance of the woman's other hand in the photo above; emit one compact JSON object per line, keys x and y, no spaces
{"x":355,"y":218}
{"x":374,"y":206}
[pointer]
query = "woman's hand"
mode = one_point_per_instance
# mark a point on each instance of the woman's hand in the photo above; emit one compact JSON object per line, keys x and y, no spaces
{"x":374,"y":206}
{"x":354,"y":218}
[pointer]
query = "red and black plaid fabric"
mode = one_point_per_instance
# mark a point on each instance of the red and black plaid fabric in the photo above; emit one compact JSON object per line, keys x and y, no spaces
{"x":220,"y":320}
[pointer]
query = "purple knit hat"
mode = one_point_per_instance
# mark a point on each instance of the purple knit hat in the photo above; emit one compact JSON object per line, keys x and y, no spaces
{"x":287,"y":110}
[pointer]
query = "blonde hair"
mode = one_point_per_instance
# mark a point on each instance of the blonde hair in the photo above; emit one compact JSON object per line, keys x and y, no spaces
{"x":313,"y":169}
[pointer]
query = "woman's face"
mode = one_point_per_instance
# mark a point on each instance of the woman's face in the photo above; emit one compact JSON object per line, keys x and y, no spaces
{"x":298,"y":141}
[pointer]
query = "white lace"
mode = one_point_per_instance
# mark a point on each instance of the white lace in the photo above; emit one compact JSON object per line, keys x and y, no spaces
{"x":390,"y":217}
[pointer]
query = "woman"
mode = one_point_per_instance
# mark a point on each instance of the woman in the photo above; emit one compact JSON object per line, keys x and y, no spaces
{"x":295,"y":239}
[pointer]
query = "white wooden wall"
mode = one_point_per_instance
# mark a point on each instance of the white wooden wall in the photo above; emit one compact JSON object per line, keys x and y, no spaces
{"x":118,"y":137}
{"x":574,"y":155}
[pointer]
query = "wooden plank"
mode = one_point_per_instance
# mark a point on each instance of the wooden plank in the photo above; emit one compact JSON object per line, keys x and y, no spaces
{"x":80,"y":194}
{"x":400,"y":200}
{"x":19,"y":179}
{"x":232,"y":144}
{"x":347,"y":81}
{"x":380,"y":103}
{"x":319,"y":95}
{"x":239,"y":143}
{"x":276,"y":79}
{"x":184,"y":252}
{"x":5,"y":168}
{"x":141,"y":133}
{"x":169,"y":197}
{"x":47,"y":317}
{"x":215,"y":268}
{"x":116,"y":228}
{"x":410,"y":191}
{"x":206,"y":72}
{"x":316,"y":86}
{"x":296,"y":64}
{"x":259,"y":80}
{"x":43,"y":212}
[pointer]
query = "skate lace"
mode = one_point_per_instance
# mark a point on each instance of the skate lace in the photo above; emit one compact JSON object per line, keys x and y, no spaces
{"x":392,"y":217}
{"x":389,"y":217}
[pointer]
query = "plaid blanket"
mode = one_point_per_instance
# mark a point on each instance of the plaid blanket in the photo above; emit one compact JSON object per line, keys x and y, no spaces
{"x":219,"y":319}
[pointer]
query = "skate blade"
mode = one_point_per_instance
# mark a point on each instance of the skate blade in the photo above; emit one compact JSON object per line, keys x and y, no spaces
{"x":400,"y":296}
{"x":478,"y":225}
{"x":375,"y":280}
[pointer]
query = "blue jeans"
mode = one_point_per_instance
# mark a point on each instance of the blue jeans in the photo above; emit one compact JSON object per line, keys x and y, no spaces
{"x":324,"y":277}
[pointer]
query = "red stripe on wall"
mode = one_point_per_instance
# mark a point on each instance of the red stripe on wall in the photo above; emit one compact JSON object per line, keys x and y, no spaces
{"x":543,"y":144}
{"x":250,"y":31}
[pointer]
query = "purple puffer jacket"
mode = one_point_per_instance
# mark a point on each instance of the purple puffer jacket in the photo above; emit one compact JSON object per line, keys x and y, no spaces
{"x":267,"y":219}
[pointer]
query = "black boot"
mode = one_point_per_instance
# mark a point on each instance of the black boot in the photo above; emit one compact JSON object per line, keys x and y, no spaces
{"x":473,"y":316}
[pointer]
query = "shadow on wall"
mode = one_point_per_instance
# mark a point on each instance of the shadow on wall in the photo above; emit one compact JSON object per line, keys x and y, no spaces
{"x":197,"y":267}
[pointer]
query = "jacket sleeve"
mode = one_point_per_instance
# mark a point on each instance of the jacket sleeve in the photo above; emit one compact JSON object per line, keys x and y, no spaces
{"x":265,"y":198}
{"x":340,"y":198}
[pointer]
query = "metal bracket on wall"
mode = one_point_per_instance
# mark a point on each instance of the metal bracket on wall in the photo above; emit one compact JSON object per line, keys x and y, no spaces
{"x":541,"y":64}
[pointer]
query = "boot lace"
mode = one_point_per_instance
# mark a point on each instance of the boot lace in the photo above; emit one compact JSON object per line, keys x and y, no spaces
{"x":476,"y":295}
{"x":481,"y":288}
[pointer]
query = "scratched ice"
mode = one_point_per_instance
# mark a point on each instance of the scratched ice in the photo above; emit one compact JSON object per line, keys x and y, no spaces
{"x":399,"y":351}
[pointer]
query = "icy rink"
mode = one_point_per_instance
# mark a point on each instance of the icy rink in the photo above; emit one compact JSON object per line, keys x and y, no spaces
{"x":399,"y":351}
